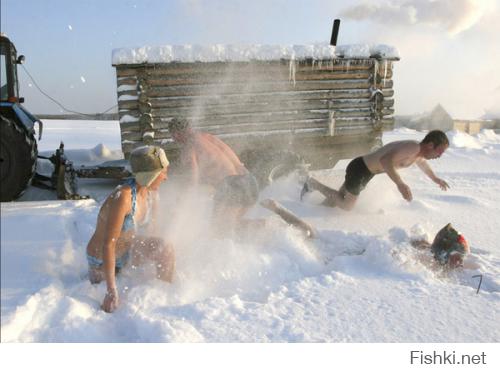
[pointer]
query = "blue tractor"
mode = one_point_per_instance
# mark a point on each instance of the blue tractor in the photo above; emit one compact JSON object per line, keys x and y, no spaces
{"x":18,"y":146}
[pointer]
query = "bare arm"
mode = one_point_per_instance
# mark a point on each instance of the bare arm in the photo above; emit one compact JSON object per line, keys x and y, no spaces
{"x":389,"y":161}
{"x":118,"y":208}
{"x":426,"y":169}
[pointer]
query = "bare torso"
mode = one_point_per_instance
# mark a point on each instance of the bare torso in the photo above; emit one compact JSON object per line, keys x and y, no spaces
{"x":95,"y":246}
{"x":215,"y":160}
{"x":405,"y":153}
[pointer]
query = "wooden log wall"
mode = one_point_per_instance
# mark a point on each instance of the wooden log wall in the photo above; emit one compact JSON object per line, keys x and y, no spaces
{"x":237,"y":100}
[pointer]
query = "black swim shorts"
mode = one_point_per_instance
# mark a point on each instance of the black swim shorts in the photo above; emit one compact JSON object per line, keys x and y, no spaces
{"x":237,"y":190}
{"x":357,"y":176}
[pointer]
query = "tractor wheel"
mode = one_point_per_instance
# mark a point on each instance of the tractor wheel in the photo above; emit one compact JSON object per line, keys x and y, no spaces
{"x":18,"y":154}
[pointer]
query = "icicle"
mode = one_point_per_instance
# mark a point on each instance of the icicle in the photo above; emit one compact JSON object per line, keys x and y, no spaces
{"x":385,"y":70}
{"x":293,"y":69}
{"x":375,"y":73}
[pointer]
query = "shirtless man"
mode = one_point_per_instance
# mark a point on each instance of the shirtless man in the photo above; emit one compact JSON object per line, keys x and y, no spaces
{"x":210,"y":161}
{"x":388,"y":159}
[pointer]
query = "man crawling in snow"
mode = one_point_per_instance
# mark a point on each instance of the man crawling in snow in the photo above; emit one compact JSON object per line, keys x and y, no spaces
{"x":211,"y":162}
{"x":388,"y":159}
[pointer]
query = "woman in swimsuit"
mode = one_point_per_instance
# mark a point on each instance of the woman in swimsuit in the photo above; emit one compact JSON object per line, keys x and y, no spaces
{"x":119,"y":237}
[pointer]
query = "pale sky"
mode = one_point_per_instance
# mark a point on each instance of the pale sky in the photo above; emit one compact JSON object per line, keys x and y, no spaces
{"x":450,"y":49}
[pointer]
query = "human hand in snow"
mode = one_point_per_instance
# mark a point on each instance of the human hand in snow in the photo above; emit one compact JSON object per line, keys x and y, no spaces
{"x":442,"y":184}
{"x":111,"y":300}
{"x":405,"y":191}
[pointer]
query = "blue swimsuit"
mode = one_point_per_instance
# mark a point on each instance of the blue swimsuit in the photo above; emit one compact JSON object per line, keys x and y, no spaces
{"x":128,"y":224}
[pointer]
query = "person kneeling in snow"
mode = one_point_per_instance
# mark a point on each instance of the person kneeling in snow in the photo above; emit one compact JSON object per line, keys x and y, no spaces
{"x":128,"y":208}
{"x":449,"y":247}
{"x":389,"y":158}
{"x":212,"y":162}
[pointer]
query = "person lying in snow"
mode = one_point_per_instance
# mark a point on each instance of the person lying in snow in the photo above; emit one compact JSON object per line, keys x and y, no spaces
{"x":388,"y":159}
{"x":116,"y":240}
{"x":449,"y":247}
{"x":212,"y":162}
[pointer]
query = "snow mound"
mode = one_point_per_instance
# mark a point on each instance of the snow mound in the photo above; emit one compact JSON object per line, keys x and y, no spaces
{"x":101,"y":151}
{"x":460,"y":139}
{"x":489,"y":136}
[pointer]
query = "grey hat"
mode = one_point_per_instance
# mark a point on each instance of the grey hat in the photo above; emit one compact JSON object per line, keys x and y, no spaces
{"x":178,"y":124}
{"x":147,"y":163}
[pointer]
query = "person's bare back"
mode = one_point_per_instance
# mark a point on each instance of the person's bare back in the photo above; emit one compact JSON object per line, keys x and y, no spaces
{"x":402,"y":153}
{"x":211,"y":158}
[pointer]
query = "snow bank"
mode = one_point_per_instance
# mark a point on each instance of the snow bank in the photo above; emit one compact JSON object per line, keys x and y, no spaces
{"x":275,"y":286}
{"x":257,"y":52}
{"x":463,"y":140}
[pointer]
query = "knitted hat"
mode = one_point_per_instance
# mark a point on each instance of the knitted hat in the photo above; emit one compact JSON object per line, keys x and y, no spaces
{"x":147,"y":163}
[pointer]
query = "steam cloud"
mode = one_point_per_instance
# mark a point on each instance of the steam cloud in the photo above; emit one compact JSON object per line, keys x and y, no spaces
{"x":453,"y":15}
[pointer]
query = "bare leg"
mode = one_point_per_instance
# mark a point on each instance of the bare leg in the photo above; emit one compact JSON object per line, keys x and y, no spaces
{"x":328,"y":192}
{"x":289,"y":217}
{"x":341,"y":198}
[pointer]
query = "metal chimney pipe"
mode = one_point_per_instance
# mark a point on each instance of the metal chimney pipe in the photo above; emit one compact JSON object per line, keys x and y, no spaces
{"x":335,"y":32}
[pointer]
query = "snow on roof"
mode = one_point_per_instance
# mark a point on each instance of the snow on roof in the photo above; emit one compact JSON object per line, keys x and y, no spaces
{"x":249,"y":52}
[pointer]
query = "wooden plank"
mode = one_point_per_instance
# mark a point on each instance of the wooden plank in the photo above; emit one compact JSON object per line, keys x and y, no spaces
{"x":230,"y":89}
{"x":257,"y":117}
{"x":214,"y":99}
{"x":126,"y":81}
{"x":193,"y":79}
{"x":242,"y":67}
{"x":125,"y":105}
{"x":132,"y":92}
{"x":230,"y":73}
{"x":258,"y":108}
{"x":263,"y":128}
{"x":265,"y":107}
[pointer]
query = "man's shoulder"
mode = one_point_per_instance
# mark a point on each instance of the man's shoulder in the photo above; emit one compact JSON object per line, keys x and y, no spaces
{"x":203,"y":137}
{"x":407,"y":145}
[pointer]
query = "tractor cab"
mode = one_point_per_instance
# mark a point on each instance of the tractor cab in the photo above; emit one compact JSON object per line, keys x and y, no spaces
{"x":9,"y":84}
{"x":9,"y":89}
{"x":18,"y":145}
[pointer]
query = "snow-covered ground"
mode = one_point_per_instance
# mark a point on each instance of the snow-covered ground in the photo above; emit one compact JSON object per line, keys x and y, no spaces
{"x":274,"y":287}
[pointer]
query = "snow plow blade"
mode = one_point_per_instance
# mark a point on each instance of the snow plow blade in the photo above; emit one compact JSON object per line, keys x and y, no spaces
{"x":107,"y":170}
{"x":63,"y":178}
